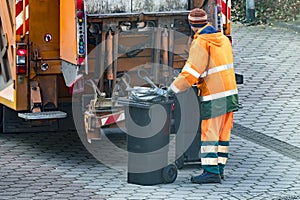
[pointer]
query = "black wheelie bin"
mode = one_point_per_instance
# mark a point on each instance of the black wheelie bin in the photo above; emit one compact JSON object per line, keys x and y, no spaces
{"x":148,"y":125}
{"x":187,"y":127}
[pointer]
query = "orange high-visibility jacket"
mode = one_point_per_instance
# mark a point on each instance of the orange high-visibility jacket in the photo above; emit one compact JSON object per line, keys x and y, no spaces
{"x":210,"y":66}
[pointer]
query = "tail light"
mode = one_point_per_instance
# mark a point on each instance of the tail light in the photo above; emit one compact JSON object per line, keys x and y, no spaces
{"x":21,"y":60}
{"x":81,"y":43}
{"x":79,"y":4}
{"x":218,"y":15}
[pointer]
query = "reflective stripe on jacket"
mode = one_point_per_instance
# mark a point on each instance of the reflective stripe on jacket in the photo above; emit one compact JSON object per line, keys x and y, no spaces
{"x":214,"y":77}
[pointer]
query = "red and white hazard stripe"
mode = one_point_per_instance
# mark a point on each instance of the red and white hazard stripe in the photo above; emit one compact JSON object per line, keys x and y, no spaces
{"x":22,"y":17}
{"x":112,"y":118}
{"x":226,"y":10}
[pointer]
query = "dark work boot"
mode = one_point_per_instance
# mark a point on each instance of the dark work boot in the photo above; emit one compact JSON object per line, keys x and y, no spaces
{"x":206,"y":177}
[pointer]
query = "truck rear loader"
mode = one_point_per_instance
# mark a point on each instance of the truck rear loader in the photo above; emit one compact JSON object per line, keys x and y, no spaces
{"x":55,"y":53}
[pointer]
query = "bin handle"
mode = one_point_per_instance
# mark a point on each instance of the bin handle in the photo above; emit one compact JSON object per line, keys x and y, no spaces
{"x":146,"y":78}
{"x":126,"y":80}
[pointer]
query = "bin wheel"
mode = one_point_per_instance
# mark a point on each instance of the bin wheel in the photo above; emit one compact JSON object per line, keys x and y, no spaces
{"x":180,"y":162}
{"x":169,"y":173}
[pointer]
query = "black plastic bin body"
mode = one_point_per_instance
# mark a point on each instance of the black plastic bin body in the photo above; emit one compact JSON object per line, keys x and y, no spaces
{"x":187,"y":122}
{"x":148,"y":135}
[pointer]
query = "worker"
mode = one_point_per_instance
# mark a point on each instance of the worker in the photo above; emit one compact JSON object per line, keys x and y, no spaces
{"x":210,"y":67}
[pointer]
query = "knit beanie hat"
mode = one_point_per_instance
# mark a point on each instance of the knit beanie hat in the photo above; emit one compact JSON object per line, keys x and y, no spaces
{"x":197,"y":18}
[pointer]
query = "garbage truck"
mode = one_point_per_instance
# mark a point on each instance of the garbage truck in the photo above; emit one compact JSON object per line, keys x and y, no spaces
{"x":59,"y":53}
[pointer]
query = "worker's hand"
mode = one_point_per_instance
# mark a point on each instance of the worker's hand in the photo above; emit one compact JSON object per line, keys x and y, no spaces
{"x":170,"y":91}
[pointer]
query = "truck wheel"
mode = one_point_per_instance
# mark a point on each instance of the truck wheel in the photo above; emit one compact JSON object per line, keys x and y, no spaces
{"x":169,"y":173}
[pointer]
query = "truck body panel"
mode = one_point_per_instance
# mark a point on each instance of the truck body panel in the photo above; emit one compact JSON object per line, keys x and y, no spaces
{"x":68,"y":31}
{"x":44,"y":29}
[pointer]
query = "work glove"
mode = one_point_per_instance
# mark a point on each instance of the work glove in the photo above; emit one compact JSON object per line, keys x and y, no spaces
{"x":170,"y":91}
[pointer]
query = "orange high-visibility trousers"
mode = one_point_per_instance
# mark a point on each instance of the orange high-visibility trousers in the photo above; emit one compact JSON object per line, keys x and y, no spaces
{"x":215,"y":137}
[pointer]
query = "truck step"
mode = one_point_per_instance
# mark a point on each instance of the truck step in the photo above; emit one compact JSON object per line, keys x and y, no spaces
{"x":43,"y":115}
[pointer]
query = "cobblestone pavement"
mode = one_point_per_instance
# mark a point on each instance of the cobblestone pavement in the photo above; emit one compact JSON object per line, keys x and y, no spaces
{"x":269,"y":59}
{"x":264,"y":163}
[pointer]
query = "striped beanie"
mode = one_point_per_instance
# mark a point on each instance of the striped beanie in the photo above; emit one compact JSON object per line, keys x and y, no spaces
{"x":197,"y":18}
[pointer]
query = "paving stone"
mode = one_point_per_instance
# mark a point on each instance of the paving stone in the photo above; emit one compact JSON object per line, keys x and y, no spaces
{"x":42,"y":197}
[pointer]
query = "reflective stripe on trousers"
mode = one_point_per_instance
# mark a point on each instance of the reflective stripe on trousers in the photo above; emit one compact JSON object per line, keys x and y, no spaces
{"x":215,"y":137}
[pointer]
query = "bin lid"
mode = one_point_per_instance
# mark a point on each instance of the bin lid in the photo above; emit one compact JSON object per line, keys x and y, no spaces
{"x":148,"y":94}
{"x":146,"y":97}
